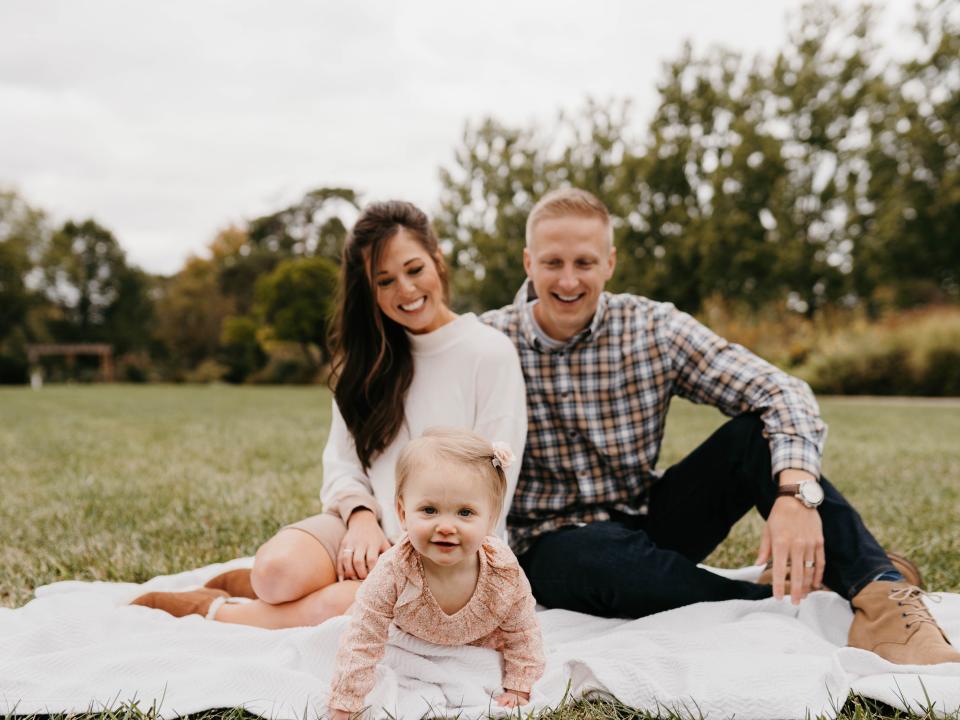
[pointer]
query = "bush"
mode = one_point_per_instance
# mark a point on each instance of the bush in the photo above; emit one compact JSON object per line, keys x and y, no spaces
{"x":13,"y":370}
{"x":209,"y":371}
{"x":285,"y":371}
{"x":135,"y":368}
{"x":913,"y":353}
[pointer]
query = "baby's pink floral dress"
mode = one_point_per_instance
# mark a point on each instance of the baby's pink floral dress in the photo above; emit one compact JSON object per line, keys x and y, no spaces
{"x":499,"y":615}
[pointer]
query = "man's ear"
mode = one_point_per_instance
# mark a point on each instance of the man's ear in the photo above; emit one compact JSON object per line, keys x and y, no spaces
{"x":527,"y":261}
{"x":611,"y":262}
{"x":401,"y":514}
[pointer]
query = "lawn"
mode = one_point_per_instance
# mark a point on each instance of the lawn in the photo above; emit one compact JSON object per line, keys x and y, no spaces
{"x":128,"y":482}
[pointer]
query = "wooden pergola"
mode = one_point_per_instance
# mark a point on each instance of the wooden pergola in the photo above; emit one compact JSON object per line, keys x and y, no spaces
{"x":36,"y":351}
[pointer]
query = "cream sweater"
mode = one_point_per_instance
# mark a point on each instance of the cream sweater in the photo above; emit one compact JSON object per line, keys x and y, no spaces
{"x":466,"y":375}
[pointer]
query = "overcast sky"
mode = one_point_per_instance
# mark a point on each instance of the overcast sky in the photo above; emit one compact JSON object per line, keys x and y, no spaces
{"x":166,"y":121}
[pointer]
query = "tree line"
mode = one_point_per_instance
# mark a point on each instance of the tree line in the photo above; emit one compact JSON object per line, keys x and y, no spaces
{"x":825,"y":177}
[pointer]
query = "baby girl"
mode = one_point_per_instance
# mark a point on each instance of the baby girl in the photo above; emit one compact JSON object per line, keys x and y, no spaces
{"x":447,"y":580}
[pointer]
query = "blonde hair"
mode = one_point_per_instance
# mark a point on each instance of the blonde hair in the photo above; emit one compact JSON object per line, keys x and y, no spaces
{"x":461,"y":447}
{"x":565,"y":202}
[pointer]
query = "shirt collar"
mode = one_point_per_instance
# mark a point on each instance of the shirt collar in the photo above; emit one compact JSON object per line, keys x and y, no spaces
{"x":524,"y":301}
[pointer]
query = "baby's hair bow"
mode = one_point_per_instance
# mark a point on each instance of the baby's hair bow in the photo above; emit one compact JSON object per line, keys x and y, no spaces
{"x":502,"y":455}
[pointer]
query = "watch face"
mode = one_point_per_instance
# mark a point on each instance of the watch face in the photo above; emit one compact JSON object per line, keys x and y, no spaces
{"x":811,"y":493}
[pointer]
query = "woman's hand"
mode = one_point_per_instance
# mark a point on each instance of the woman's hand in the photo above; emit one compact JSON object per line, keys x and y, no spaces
{"x":361,"y":546}
{"x":513,"y":698}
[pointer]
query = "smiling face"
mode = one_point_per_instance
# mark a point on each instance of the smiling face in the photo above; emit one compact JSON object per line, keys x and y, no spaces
{"x":447,"y":510}
{"x":407,"y":285}
{"x":569,"y":260}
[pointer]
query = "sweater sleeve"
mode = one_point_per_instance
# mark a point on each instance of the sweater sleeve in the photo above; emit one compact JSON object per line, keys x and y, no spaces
{"x":711,"y":370}
{"x":346,"y":486}
{"x":502,"y":411}
{"x":523,"y":660}
{"x":362,"y":644}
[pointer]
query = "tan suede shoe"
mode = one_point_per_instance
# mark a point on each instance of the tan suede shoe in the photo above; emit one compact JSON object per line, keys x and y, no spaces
{"x":235,"y":583}
{"x":891,"y":620}
{"x":910,"y":572}
{"x":178,"y":604}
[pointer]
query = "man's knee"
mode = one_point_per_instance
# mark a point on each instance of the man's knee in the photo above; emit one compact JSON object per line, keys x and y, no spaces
{"x":748,"y":426}
{"x":591,"y":569}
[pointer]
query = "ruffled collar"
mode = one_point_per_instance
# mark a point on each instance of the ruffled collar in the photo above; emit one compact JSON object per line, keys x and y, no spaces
{"x":499,"y":571}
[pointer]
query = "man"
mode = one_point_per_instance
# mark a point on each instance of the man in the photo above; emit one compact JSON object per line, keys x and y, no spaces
{"x":598,"y":529}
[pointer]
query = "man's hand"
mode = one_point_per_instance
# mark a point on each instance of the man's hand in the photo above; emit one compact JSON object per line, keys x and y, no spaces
{"x":361,"y":546}
{"x":513,"y":698}
{"x":793,"y":534}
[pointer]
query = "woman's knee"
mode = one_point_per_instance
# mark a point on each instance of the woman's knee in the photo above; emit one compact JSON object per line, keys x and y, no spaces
{"x":289,"y":567}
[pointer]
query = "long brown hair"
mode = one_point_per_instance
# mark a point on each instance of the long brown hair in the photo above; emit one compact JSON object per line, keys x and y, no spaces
{"x":372,"y":364}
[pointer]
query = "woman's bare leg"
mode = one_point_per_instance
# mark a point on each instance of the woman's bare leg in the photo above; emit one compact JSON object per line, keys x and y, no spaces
{"x":296,"y":582}
{"x":313,"y":609}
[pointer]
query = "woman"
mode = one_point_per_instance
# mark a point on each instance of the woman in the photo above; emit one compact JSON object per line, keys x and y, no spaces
{"x":403,"y":362}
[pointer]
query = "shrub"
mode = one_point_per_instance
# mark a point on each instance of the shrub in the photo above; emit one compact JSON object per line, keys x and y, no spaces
{"x":209,"y":371}
{"x":285,"y":371}
{"x":912,"y":353}
{"x":13,"y":370}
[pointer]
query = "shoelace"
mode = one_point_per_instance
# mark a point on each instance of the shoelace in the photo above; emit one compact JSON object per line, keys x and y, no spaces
{"x":910,"y":596}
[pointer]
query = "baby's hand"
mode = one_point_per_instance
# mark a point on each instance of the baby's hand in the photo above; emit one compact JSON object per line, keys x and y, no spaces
{"x":511,"y":699}
{"x":335,"y":714}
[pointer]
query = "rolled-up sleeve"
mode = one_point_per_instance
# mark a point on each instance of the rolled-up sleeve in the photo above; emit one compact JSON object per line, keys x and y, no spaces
{"x":708,"y":369}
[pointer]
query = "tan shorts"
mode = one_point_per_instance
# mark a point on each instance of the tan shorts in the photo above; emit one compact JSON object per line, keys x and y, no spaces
{"x":326,"y":528}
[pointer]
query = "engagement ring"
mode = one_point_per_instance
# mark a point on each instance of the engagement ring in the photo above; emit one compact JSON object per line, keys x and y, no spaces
{"x":809,"y":563}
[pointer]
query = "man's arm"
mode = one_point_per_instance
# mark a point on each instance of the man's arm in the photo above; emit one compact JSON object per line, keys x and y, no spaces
{"x":708,"y":369}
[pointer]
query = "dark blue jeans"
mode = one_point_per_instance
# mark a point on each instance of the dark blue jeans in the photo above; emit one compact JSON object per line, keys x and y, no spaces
{"x":633,"y":566}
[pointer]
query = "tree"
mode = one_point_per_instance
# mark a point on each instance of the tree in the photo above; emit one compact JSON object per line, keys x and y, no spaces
{"x":190,"y":310}
{"x":296,"y":300}
{"x":98,"y":295}
{"x":905,"y":218}
{"x":23,"y":233}
{"x":241,"y":351}
{"x":315,"y":226}
{"x":498,"y":175}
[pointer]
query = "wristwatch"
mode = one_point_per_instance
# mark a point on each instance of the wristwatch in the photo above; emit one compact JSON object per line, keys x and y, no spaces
{"x":808,"y":492}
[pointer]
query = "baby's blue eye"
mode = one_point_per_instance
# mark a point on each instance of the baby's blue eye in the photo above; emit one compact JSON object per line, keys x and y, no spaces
{"x":429,"y":510}
{"x":465,"y":512}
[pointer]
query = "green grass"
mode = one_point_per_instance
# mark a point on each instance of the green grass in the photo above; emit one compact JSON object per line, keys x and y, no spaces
{"x":128,"y":482}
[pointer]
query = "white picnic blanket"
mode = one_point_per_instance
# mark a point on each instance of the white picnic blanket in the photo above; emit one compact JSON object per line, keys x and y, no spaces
{"x":79,"y":647}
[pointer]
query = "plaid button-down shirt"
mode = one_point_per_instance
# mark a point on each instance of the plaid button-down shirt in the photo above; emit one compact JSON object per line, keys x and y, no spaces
{"x":597,"y":407}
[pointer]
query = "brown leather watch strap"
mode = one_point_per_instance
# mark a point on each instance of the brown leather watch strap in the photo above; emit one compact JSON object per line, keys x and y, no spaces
{"x":789,"y":490}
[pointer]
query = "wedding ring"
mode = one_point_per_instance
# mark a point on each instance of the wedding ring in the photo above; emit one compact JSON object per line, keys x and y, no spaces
{"x":346,"y":551}
{"x":808,"y":563}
